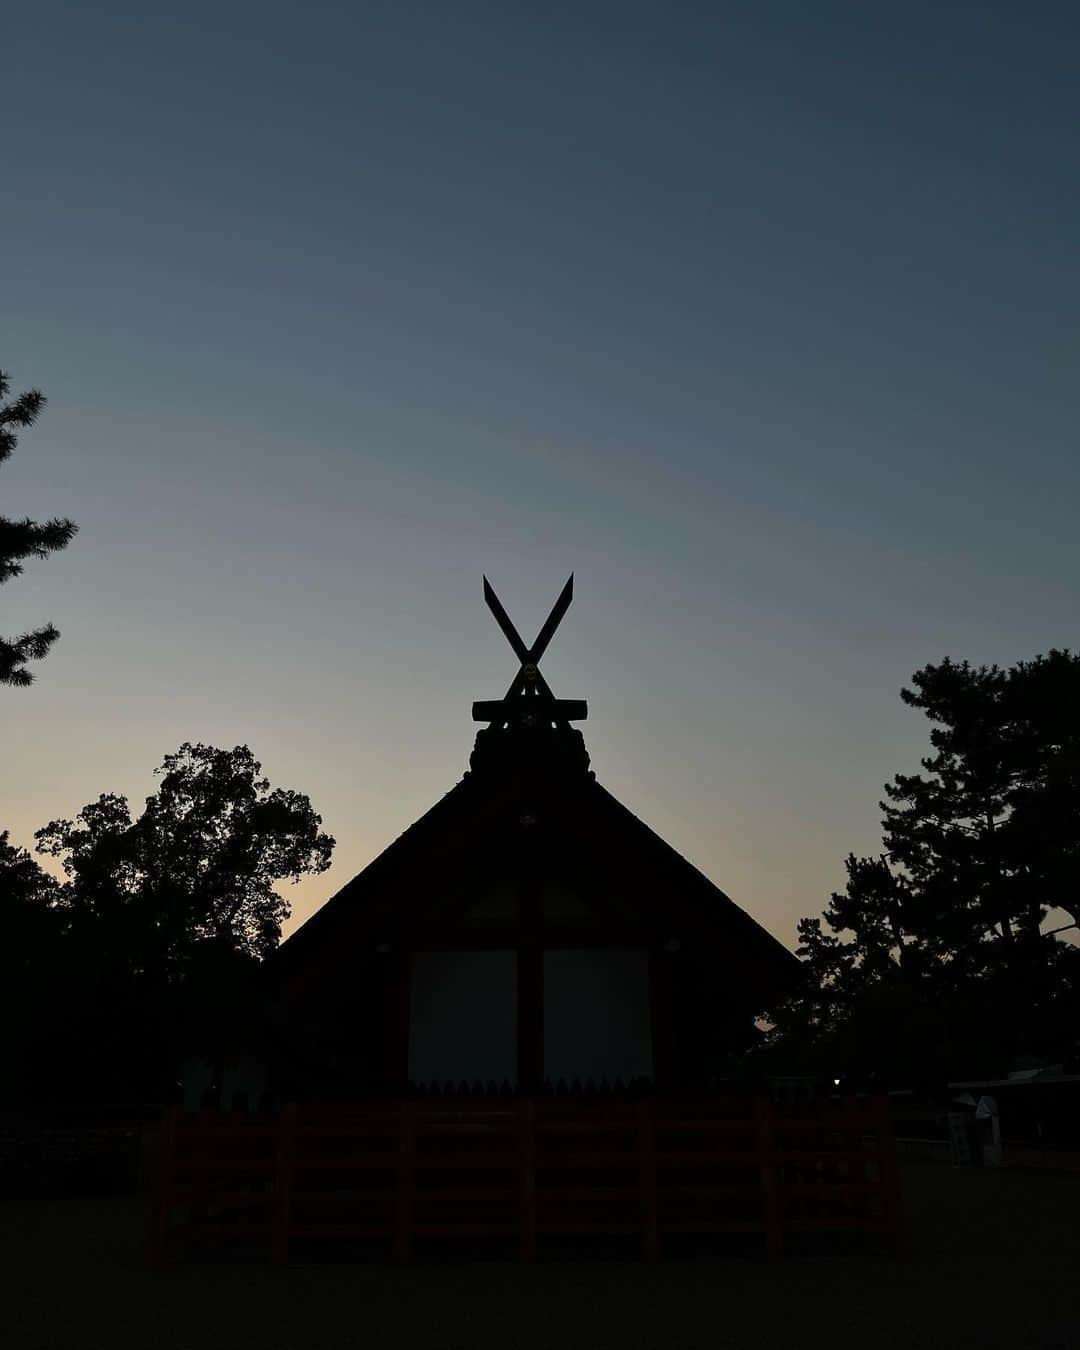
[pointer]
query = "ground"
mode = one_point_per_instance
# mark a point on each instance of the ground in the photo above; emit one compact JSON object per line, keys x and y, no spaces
{"x":988,"y":1259}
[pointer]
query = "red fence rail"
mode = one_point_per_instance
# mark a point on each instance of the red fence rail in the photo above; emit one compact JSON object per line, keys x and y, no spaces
{"x":393,"y":1172}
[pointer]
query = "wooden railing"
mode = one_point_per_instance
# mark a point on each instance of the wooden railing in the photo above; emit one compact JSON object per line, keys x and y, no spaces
{"x":392,"y":1173}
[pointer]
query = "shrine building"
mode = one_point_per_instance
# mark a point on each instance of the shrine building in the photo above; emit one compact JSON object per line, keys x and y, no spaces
{"x":527,"y":931}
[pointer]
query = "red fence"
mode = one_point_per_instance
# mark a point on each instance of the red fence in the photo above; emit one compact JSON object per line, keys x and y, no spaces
{"x":523,"y":1170}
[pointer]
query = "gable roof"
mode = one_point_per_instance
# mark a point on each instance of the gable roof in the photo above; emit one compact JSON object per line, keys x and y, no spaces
{"x":478,"y":833}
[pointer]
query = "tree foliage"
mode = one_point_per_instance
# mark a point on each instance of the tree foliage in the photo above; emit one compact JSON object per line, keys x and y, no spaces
{"x":32,"y":957}
{"x":23,"y":539}
{"x":199,"y":865}
{"x":148,"y":951}
{"x":937,"y":947}
{"x":30,"y":917}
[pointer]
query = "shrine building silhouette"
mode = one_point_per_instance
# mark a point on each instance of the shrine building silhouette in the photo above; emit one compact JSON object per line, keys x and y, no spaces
{"x":527,"y":932}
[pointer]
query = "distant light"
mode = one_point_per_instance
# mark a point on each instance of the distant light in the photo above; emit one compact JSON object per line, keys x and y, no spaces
{"x":836,"y":1082}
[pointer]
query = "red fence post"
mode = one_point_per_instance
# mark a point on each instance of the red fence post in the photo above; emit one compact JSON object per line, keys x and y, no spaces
{"x":853,"y":1169}
{"x":166,"y":1188}
{"x":283,"y":1184}
{"x":406,"y":1183}
{"x":203,"y":1143}
{"x":647,"y":1164}
{"x":772,"y":1225}
{"x":527,"y":1194}
{"x":888,"y":1172}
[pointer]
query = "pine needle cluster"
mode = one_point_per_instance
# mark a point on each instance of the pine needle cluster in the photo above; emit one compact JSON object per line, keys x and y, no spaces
{"x":23,"y":539}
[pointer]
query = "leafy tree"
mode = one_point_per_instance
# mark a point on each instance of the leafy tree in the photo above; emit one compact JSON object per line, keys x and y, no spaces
{"x":31,"y":955}
{"x":22,"y":539}
{"x":24,"y":885}
{"x":199,"y":865}
{"x":161,"y":923}
{"x":30,"y":918}
{"x":936,"y":948}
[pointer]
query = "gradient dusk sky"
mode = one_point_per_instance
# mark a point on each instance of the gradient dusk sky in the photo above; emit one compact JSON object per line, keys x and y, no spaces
{"x":761,"y":318}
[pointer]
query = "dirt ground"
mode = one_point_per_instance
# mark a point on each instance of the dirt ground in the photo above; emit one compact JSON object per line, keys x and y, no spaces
{"x":988,"y":1259}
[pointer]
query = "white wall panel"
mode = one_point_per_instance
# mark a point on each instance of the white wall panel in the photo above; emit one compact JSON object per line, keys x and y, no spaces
{"x":597,"y":1017}
{"x":463,"y":1016}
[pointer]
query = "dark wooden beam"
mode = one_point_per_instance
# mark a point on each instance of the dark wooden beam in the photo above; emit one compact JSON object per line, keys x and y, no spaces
{"x":665,"y":1065}
{"x":530,"y":989}
{"x":503,"y":620}
{"x":397,"y":993}
{"x":543,"y":709}
{"x":552,"y":622}
{"x":528,"y":681}
{"x":501,"y":935}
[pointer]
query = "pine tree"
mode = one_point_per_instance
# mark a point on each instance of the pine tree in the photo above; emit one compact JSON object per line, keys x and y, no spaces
{"x":22,"y":539}
{"x":937,"y":947}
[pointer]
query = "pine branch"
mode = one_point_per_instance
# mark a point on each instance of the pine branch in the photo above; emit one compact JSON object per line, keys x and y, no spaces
{"x":22,"y":411}
{"x":26,"y":538}
{"x":14,"y":655}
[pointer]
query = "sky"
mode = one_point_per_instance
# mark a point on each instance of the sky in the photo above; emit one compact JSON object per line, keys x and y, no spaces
{"x":761,"y":318}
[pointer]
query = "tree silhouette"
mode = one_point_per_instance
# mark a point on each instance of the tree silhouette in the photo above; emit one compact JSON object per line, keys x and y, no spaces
{"x":1044,"y":801}
{"x":22,"y":539}
{"x":149,"y":950}
{"x":199,"y":865}
{"x":936,"y":948}
{"x":30,"y":917}
{"x":32,"y":954}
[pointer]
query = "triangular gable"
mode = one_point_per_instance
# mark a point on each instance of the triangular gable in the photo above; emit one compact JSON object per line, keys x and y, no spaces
{"x":609,"y":865}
